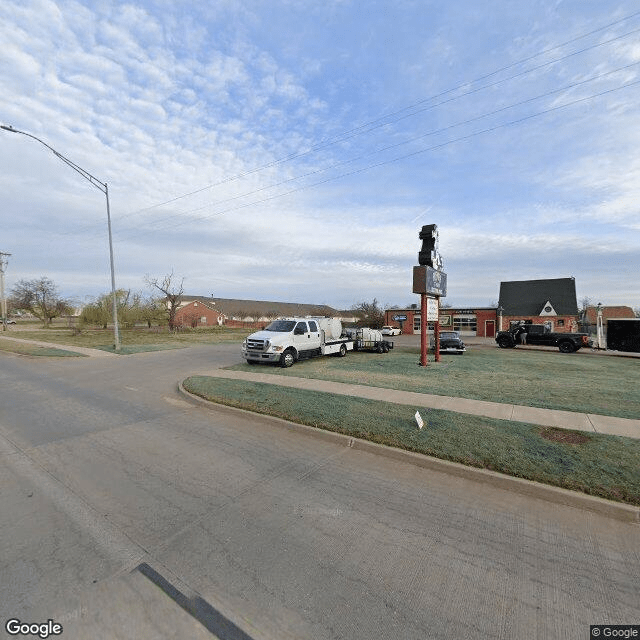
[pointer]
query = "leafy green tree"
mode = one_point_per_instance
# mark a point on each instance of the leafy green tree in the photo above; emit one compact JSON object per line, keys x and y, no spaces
{"x":132,"y":309}
{"x":151,"y":311}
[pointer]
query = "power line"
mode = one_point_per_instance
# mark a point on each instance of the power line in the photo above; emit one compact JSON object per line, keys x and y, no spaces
{"x":383,"y":120}
{"x":123,"y":231}
{"x":412,"y":154}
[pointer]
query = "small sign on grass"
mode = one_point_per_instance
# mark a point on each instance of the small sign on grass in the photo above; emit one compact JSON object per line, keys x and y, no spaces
{"x":419,"y":420}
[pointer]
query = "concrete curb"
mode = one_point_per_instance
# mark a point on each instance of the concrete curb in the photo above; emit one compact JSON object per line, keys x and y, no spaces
{"x":556,"y":495}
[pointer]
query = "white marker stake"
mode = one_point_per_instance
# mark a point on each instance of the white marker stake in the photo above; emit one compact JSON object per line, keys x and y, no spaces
{"x":419,"y":420}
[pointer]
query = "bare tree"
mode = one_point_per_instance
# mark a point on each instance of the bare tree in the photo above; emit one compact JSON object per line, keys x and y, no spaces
{"x":371,"y":314}
{"x":39,"y":297}
{"x":172,"y":292}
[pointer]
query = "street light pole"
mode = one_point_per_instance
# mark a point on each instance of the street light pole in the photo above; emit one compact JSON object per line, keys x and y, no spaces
{"x":3,"y":300}
{"x":105,"y":189}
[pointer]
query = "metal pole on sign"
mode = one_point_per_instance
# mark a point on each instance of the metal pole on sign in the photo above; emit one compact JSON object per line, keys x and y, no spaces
{"x":437,"y":331}
{"x":423,"y":330}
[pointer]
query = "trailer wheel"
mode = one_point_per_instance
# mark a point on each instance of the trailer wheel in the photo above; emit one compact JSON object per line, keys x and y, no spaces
{"x":287,"y":358}
{"x":343,"y":351}
{"x":379,"y":348}
{"x":385,"y":347}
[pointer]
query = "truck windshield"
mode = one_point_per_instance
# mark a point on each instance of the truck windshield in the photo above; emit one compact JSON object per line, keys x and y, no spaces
{"x":281,"y":326}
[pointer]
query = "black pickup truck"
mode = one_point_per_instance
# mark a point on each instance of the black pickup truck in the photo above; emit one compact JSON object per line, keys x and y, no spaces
{"x":540,"y":334}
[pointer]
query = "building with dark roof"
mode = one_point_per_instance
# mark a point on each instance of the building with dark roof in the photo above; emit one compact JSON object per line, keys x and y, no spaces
{"x":258,"y":312}
{"x":552,"y":302}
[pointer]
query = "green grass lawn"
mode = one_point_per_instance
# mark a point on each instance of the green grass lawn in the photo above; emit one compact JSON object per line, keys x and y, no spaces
{"x":132,"y":338}
{"x":35,"y":350}
{"x":600,"y":465}
{"x":548,"y":379}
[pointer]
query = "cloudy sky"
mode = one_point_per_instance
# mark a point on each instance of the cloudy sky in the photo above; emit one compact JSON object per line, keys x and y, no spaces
{"x":291,"y":149}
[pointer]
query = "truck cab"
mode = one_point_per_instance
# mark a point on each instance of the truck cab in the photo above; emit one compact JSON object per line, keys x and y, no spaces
{"x":537,"y":334}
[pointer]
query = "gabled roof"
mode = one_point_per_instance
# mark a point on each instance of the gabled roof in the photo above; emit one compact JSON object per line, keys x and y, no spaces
{"x":261,"y":308}
{"x":609,"y":312}
{"x":205,"y":303}
{"x":529,"y":297}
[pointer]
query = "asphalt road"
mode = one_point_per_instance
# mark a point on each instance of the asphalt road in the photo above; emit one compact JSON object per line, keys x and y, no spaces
{"x":128,"y":512}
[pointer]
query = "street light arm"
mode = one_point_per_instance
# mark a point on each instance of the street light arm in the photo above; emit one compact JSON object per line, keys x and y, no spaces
{"x":83,"y":172}
{"x":103,"y":187}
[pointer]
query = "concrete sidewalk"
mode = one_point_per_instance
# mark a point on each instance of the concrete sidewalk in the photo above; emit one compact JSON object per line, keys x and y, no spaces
{"x":85,"y":351}
{"x":547,"y":417}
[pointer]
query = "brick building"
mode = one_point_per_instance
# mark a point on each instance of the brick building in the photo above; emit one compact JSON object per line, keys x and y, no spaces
{"x":197,"y":313}
{"x":589,"y":317}
{"x":477,"y":321}
{"x":249,"y":313}
{"x":550,"y":302}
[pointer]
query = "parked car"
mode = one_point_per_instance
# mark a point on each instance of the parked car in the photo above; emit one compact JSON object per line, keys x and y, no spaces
{"x":391,"y":331}
{"x":11,"y":322}
{"x":450,"y":342}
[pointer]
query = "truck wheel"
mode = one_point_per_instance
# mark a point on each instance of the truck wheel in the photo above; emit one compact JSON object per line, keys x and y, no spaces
{"x":566,"y":346}
{"x":287,"y":358}
{"x":505,"y":343}
{"x":343,"y":351}
{"x":251,"y":362}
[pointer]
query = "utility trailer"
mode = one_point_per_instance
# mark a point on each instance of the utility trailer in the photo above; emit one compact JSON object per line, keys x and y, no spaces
{"x":365,"y":339}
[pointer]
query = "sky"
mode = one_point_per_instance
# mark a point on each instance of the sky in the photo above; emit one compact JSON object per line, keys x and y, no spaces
{"x":291,"y":150}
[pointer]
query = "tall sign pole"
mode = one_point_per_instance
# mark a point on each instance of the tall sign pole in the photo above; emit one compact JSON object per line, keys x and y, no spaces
{"x":436,"y":331}
{"x":3,"y":299}
{"x":431,"y":283}
{"x":423,"y":330}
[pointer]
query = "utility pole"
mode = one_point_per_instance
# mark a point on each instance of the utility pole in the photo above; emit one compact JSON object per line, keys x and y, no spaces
{"x":3,"y":300}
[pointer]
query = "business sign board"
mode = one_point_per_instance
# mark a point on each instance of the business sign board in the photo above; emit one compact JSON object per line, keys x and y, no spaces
{"x":399,"y":318}
{"x":429,"y":280}
{"x":432,"y":309}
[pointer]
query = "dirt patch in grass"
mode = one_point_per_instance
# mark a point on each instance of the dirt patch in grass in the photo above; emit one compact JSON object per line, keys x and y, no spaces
{"x":564,"y":435}
{"x":605,"y":466}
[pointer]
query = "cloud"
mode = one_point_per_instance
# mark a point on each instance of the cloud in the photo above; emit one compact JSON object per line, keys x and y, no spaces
{"x":166,"y":100}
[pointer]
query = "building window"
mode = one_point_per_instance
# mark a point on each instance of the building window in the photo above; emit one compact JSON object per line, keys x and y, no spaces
{"x":465,"y":323}
{"x":561,"y":323}
{"x":416,"y":322}
{"x":203,"y":320}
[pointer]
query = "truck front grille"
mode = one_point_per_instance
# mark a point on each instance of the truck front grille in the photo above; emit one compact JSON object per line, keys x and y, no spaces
{"x":255,"y":345}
